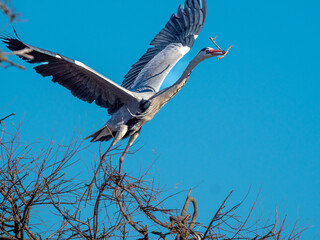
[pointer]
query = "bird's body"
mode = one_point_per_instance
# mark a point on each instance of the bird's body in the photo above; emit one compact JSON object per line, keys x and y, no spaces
{"x":137,"y":113}
{"x":138,"y":99}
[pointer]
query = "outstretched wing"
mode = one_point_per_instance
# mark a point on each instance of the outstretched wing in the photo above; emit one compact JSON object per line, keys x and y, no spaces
{"x":82,"y":81}
{"x":169,"y":46}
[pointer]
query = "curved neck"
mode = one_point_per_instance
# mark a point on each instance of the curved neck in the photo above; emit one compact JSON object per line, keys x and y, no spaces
{"x":166,"y":94}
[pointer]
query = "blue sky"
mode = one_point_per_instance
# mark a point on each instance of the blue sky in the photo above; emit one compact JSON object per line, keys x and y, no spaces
{"x":249,"y":120}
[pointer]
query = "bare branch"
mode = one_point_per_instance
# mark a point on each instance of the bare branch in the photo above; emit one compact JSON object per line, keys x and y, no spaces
{"x":23,"y":53}
{"x":224,"y":52}
{"x":216,"y":215}
{"x":9,"y":12}
{"x":1,"y":120}
{"x":120,"y":206}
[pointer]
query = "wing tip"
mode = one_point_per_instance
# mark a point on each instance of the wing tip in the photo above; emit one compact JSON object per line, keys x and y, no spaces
{"x":15,"y":32}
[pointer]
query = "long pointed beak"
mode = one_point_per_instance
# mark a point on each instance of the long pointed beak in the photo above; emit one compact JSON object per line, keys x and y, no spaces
{"x":217,"y":52}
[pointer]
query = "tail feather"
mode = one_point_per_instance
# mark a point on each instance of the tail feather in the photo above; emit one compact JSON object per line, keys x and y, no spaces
{"x":103,"y":134}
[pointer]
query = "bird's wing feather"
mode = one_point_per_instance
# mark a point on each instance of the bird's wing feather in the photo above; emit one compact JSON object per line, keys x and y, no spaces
{"x":83,"y":82}
{"x":169,"y":45}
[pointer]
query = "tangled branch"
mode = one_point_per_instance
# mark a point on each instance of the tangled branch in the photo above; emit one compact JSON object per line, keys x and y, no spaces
{"x":34,"y":178}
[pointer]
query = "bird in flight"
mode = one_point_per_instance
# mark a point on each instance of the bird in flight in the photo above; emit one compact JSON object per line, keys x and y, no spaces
{"x":137,"y":99}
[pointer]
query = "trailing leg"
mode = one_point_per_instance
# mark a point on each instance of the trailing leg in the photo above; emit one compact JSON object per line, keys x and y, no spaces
{"x":130,"y":142}
{"x":120,"y":134}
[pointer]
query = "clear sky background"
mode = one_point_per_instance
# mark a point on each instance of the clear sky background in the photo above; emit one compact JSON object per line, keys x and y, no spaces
{"x":249,"y":120}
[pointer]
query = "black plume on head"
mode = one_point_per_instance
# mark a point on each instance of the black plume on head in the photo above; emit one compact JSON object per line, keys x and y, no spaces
{"x":203,"y":49}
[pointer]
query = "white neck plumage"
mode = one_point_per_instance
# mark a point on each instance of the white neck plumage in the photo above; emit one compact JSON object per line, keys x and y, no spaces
{"x":166,"y":94}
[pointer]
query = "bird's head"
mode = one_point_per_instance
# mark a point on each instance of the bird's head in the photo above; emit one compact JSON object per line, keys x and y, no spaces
{"x":210,"y":52}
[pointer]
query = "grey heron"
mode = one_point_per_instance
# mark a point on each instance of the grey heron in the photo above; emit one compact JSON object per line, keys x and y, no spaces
{"x":138,"y":99}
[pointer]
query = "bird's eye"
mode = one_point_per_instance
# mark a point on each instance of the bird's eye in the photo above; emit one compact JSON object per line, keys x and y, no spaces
{"x":206,"y":51}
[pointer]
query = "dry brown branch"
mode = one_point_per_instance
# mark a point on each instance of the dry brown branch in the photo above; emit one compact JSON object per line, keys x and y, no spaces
{"x":12,"y":15}
{"x":195,"y":209}
{"x":8,"y":11}
{"x":120,"y":206}
{"x":1,"y":120}
{"x":215,"y":217}
{"x":22,"y":53}
{"x":140,"y":228}
{"x":225,"y":52}
{"x":181,"y":221}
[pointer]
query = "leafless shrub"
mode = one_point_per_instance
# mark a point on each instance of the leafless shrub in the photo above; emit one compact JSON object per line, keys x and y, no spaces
{"x":35,"y":182}
{"x":7,"y":9}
